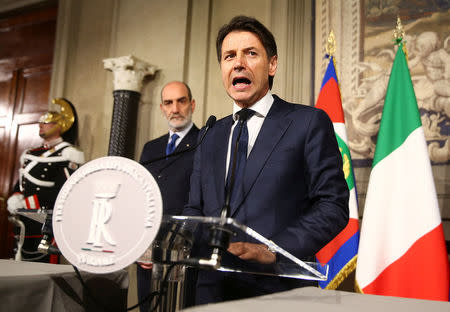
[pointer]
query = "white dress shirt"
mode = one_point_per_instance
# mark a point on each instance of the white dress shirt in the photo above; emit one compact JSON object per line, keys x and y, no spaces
{"x":181,"y":134}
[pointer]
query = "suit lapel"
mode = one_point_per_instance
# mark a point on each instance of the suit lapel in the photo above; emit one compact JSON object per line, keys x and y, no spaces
{"x":219,"y":156}
{"x":275,"y":125}
{"x":160,"y":149}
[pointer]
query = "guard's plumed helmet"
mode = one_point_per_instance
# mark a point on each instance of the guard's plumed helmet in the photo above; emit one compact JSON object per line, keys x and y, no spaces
{"x":61,"y":113}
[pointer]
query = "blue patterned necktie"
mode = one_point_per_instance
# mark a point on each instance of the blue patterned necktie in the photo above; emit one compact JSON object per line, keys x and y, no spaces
{"x":241,"y":156}
{"x":171,"y":146}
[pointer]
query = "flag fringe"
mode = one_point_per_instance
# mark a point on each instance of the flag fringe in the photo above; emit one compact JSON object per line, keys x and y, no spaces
{"x":348,"y":268}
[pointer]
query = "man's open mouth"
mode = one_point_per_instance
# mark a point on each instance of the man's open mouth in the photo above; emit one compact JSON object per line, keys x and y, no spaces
{"x":241,"y":81}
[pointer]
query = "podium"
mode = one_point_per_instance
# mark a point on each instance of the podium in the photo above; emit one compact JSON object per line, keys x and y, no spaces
{"x":181,"y":239}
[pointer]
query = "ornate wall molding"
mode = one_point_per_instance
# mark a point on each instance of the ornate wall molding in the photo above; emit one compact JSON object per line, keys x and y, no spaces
{"x":344,"y":18}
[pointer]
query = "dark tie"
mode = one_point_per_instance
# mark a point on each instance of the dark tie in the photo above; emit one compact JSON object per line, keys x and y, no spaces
{"x":171,"y":146}
{"x":241,"y":155}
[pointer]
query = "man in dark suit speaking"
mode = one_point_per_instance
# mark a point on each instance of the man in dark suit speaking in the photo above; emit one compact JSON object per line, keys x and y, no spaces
{"x":171,"y":174}
{"x":289,"y":185}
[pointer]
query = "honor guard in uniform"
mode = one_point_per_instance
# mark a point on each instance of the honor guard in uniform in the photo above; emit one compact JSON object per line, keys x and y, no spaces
{"x":42,"y":174}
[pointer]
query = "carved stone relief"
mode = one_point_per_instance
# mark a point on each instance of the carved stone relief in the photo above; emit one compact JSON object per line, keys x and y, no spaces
{"x":365,"y":54}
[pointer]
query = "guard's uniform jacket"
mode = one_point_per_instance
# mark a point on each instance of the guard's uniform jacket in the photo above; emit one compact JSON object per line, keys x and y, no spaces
{"x":43,"y":172}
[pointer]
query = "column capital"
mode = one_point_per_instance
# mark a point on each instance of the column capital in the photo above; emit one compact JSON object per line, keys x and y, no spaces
{"x":129,"y":72}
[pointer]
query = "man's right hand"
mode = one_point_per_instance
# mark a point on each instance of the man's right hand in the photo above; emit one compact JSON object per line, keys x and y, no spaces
{"x":253,"y":252}
{"x":15,"y":202}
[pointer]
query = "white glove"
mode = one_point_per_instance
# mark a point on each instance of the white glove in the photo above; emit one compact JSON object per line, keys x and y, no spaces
{"x":15,"y":202}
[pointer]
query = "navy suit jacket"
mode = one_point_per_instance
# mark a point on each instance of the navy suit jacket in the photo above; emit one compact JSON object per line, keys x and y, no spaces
{"x":294,"y":190}
{"x":171,"y":174}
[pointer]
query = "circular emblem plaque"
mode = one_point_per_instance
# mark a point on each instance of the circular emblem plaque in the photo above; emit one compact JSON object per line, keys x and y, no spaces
{"x":107,"y":214}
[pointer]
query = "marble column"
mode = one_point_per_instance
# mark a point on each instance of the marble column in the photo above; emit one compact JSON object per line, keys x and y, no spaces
{"x":129,"y":73}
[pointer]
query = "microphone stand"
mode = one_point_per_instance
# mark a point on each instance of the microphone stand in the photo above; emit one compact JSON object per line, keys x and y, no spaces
{"x":45,"y":245}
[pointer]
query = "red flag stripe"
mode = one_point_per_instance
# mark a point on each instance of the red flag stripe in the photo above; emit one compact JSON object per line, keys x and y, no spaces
{"x":403,"y":279}
{"x":327,"y":252}
{"x":330,"y":101}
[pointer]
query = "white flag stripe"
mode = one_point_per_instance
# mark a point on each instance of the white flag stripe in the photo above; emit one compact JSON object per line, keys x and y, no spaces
{"x":339,"y":128}
{"x":353,"y":205}
{"x":409,"y":188}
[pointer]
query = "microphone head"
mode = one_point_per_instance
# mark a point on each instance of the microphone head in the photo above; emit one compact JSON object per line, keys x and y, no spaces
{"x":211,"y":121}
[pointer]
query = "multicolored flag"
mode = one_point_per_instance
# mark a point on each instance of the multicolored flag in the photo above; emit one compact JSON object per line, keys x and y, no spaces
{"x":340,"y":254}
{"x":402,"y":249}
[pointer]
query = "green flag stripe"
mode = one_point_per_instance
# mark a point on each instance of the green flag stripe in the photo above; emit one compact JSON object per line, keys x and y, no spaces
{"x":347,"y":162}
{"x":400,"y":113}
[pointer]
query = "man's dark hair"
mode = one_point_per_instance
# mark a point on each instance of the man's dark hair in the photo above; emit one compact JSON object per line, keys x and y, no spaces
{"x":250,"y":24}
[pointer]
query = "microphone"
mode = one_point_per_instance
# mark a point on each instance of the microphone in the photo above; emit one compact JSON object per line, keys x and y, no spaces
{"x":209,"y":124}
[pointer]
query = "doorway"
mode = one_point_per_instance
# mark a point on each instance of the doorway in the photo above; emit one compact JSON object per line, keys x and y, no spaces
{"x":27,"y":37}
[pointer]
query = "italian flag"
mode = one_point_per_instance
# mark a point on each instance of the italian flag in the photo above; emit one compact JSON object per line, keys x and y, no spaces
{"x":402,"y":248}
{"x":339,"y":254}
